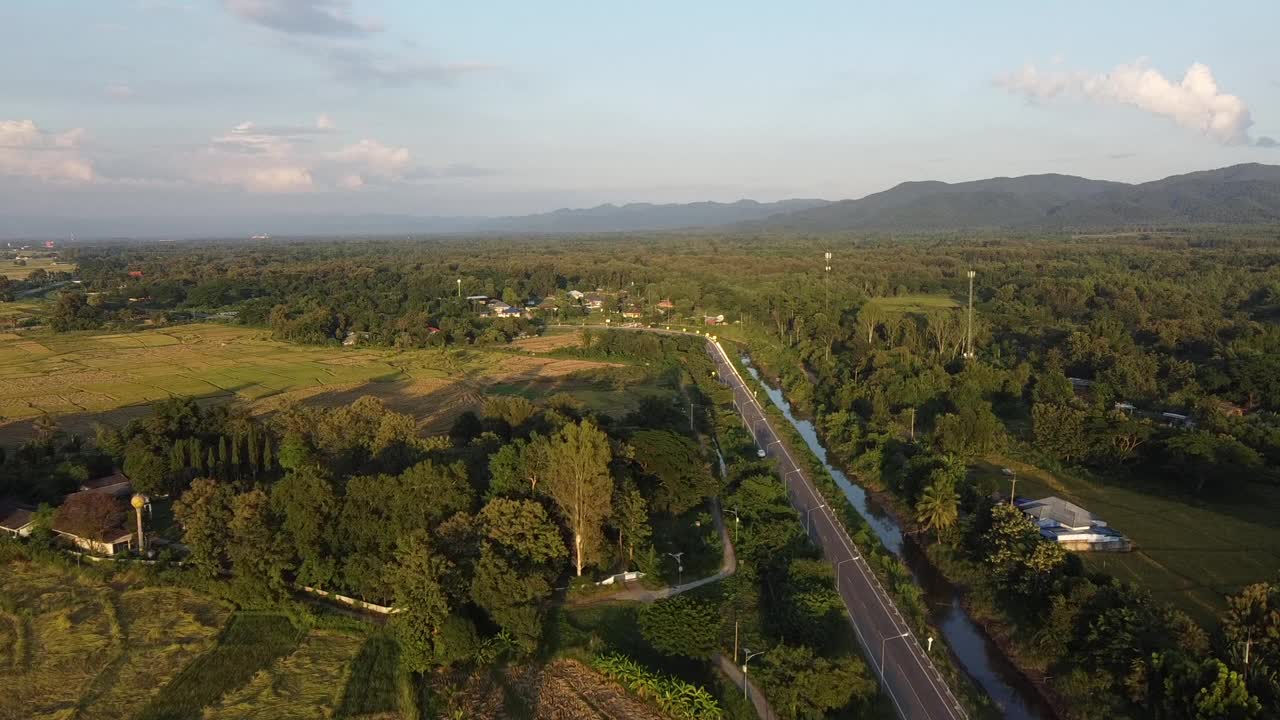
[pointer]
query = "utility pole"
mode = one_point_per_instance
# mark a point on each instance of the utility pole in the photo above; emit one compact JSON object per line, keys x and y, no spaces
{"x":1013,"y":486}
{"x":913,"y":424}
{"x":968,"y":337}
{"x":735,"y":637}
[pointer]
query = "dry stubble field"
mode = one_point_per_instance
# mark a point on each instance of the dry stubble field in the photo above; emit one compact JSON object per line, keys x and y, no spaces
{"x":84,"y":378}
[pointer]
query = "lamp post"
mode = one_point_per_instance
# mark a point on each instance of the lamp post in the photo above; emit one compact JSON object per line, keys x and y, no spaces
{"x":848,"y":559}
{"x":737,"y":520}
{"x":808,"y":523}
{"x":746,"y":659}
{"x":1013,"y":484}
{"x":459,"y":288}
{"x":968,"y":339}
{"x":884,"y":641}
{"x":679,"y":567}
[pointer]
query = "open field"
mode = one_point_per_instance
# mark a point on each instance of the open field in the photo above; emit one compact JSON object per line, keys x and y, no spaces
{"x":14,"y":271}
{"x":74,"y":646}
{"x":554,"y":339}
{"x":306,"y":684}
{"x":1191,"y":554}
{"x":914,"y":303}
{"x":83,"y":378}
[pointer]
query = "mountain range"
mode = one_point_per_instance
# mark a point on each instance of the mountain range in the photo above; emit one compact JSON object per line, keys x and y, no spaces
{"x":1247,"y":193}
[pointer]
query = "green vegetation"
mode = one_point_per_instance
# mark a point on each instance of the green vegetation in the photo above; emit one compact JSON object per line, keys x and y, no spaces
{"x":673,"y":696}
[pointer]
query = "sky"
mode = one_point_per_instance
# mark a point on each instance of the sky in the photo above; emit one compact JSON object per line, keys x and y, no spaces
{"x":183,"y":111}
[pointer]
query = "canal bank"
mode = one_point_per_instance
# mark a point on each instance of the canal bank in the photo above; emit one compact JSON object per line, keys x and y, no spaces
{"x":976,"y":652}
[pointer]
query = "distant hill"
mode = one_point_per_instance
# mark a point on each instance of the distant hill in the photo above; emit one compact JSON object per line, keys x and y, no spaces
{"x":1238,"y":194}
{"x":645,"y":216}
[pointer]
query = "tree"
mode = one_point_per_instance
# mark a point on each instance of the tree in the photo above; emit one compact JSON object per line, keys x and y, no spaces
{"x":630,"y":519}
{"x":972,"y":431}
{"x":938,"y":508}
{"x":523,"y":527}
{"x":146,"y":468}
{"x":415,"y":581}
{"x":305,"y":500}
{"x":92,"y":515}
{"x":802,"y":686}
{"x":204,"y":512}
{"x":580,"y":484}
{"x":428,"y":493}
{"x":684,"y":479}
{"x":1060,"y":431}
{"x":257,"y":558}
{"x":681,"y":626}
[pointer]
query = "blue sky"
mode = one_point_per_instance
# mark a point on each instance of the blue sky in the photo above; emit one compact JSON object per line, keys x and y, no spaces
{"x":200,"y":108}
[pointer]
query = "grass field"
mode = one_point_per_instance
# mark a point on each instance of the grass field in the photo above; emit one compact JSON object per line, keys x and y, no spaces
{"x":83,"y":378}
{"x":1189,"y":553}
{"x":14,"y":271}
{"x":371,"y":688}
{"x":914,"y":303}
{"x":72,"y":646}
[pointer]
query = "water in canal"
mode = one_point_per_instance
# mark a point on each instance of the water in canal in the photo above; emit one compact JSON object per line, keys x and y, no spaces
{"x":981,"y":659}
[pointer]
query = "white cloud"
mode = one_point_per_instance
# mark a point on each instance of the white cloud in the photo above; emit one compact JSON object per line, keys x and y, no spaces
{"x":370,"y":160}
{"x":303,"y":17}
{"x":1195,"y":103}
{"x":26,"y":150}
{"x":270,"y":159}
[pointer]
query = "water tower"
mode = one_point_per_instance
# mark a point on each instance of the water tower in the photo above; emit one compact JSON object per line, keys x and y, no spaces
{"x":138,"y":502}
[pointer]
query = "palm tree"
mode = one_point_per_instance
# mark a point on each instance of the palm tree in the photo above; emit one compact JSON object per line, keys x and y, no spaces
{"x":937,"y":508}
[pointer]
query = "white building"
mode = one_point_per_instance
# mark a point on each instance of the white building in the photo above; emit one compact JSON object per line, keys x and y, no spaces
{"x":1072,"y":526}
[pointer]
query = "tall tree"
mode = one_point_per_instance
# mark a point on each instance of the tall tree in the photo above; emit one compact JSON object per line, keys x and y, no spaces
{"x":257,"y":558}
{"x":415,"y":580}
{"x":204,"y":512}
{"x":579,"y":483}
{"x":305,"y":500}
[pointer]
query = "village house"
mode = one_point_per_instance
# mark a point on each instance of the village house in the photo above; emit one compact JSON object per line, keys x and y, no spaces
{"x":576,"y":295}
{"x":1071,"y":526}
{"x":666,"y":306}
{"x":114,"y":540}
{"x":713,"y":319}
{"x":595,"y":301}
{"x":17,"y":520}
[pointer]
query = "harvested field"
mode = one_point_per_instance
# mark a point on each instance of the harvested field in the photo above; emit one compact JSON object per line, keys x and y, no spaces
{"x":82,"y":379}
{"x":554,"y":340}
{"x":569,"y":690}
{"x":75,"y":645}
{"x":307,"y":684}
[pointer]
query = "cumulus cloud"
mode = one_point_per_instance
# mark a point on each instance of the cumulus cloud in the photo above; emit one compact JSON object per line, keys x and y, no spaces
{"x":303,"y":17}
{"x":275,"y":159}
{"x":27,"y":150}
{"x":370,"y":160}
{"x":119,"y":91}
{"x":1195,"y":102}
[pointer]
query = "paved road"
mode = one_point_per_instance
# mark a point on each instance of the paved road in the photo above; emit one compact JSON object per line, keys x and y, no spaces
{"x":905,"y":671}
{"x":907,"y":675}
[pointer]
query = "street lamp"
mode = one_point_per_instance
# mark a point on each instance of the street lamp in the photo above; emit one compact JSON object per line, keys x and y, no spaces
{"x":679,"y":568}
{"x":746,"y":659}
{"x":737,"y":520}
{"x":848,"y":559}
{"x":808,"y":523}
{"x":883,"y":642}
{"x":1013,"y":486}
